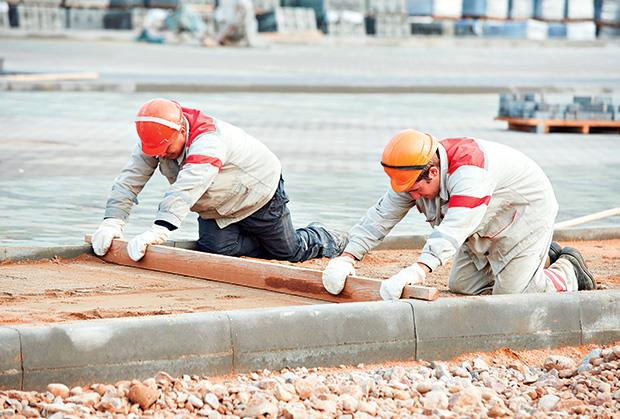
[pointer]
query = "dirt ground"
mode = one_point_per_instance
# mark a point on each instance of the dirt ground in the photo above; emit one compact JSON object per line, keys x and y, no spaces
{"x":57,"y":290}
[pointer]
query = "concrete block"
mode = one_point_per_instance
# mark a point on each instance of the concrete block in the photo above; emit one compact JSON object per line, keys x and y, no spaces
{"x":322,"y":335}
{"x":449,"y":327}
{"x":10,"y":360}
{"x":33,"y":252}
{"x":114,"y":349}
{"x":600,"y":316}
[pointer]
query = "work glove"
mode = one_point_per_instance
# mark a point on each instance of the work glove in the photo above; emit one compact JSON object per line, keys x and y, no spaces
{"x":137,"y":246}
{"x":392,"y":289}
{"x":108,"y":230}
{"x":336,"y":272}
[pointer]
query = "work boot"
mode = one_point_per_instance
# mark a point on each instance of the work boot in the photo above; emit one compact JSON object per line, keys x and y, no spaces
{"x":585,"y":279}
{"x":554,"y":252}
{"x":334,"y":241}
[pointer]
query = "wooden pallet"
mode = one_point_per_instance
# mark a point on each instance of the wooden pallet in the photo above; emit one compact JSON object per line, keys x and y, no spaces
{"x":548,"y":125}
{"x":253,"y":273}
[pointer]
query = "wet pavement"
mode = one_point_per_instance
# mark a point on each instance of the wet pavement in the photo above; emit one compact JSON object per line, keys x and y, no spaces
{"x":62,"y":150}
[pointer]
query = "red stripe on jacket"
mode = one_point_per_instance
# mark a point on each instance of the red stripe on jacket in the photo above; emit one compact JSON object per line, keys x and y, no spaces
{"x":199,"y":159}
{"x":462,"y":152}
{"x":468,"y":201}
{"x":199,"y":123}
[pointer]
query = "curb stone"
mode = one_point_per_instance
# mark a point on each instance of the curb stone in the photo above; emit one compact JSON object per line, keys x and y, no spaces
{"x":10,"y":359}
{"x":322,"y":335}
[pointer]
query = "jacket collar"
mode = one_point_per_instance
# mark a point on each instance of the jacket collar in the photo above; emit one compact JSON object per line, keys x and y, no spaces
{"x":443,"y":166}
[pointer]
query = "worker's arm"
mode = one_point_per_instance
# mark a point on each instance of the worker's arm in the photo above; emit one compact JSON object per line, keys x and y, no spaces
{"x":470,"y":189}
{"x":205,"y":157}
{"x":378,"y":222}
{"x":129,"y":183}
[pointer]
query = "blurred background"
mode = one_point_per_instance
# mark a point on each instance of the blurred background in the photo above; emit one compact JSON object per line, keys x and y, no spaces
{"x":325,"y":84}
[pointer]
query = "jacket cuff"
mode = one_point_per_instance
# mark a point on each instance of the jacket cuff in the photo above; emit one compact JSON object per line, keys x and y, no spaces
{"x":169,"y":218}
{"x":355,"y":250}
{"x":116,"y":213}
{"x":429,"y":260}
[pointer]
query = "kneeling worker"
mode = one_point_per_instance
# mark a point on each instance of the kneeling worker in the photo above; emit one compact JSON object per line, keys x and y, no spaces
{"x":492,"y":210}
{"x":232,"y":180}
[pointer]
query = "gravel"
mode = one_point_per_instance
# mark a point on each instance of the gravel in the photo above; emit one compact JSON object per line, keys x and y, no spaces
{"x":468,"y":387}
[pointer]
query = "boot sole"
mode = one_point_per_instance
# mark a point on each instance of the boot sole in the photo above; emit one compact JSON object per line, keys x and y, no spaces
{"x":574,"y":254}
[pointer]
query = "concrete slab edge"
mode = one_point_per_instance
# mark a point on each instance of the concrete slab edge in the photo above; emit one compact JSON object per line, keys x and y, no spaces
{"x":322,"y":335}
{"x":395,"y":242}
{"x":17,"y":253}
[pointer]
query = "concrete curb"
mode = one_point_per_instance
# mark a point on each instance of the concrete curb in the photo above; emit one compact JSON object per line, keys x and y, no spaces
{"x":323,"y":335}
{"x":240,"y":87}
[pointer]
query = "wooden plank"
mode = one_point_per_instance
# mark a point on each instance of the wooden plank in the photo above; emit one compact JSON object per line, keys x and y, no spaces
{"x":255,"y":274}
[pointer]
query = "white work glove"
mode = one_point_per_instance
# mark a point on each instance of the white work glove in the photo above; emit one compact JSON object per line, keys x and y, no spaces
{"x":108,"y":230}
{"x":137,"y":246}
{"x":392,"y":289}
{"x":336,"y":272}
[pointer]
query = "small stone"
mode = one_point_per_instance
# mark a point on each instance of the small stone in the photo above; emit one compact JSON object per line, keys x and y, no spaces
{"x":212,"y":400}
{"x":548,"y":402}
{"x":584,"y":368}
{"x":424,"y":387}
{"x":99,"y":388}
{"x":480,"y":364}
{"x":435,"y":400}
{"x":616,"y":395}
{"x":29,"y":412}
{"x":349,"y":403}
{"x":143,"y":395}
{"x":110,"y":404}
{"x":195,"y":401}
{"x":76,"y":390}
{"x":58,"y":390}
{"x":181,"y":397}
{"x":325,"y":402}
{"x":604,"y":388}
{"x":259,"y":407}
{"x":282,"y":394}
{"x":558,"y":362}
{"x":303,"y":388}
{"x":497,"y":412}
{"x":468,"y":398}
{"x":567,"y":373}
{"x":86,"y":399}
{"x":367,"y":407}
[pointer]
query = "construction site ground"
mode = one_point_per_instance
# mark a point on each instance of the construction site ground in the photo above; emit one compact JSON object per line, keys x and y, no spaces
{"x":60,"y":290}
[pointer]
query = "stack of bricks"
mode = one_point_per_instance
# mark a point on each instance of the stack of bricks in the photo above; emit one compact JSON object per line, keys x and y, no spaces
{"x":533,"y":106}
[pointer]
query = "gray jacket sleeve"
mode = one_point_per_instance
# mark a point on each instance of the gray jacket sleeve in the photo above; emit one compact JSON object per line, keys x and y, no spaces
{"x":129,"y":183}
{"x":378,"y":222}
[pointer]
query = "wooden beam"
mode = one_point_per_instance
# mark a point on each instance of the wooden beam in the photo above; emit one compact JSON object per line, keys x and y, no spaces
{"x":255,"y":274}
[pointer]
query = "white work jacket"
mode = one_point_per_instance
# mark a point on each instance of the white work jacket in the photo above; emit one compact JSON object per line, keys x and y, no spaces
{"x":223,"y":173}
{"x":492,"y":198}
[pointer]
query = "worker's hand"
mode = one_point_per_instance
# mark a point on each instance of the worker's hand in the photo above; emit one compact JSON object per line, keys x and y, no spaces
{"x":336,"y":272}
{"x":108,"y":230}
{"x":392,"y":289}
{"x":137,"y":246}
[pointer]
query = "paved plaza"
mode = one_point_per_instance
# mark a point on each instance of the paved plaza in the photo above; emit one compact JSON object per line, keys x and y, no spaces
{"x":62,"y":149}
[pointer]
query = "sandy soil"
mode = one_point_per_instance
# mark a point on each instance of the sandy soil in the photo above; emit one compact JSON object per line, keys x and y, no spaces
{"x":86,"y":288}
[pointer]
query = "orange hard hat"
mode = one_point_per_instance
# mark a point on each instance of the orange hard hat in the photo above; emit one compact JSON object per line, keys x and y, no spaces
{"x":157,"y":121}
{"x":405,"y":157}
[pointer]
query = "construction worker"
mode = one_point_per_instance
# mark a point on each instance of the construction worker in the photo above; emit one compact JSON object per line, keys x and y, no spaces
{"x":492,"y":210}
{"x":232,"y":180}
